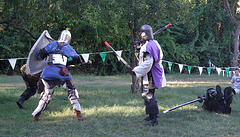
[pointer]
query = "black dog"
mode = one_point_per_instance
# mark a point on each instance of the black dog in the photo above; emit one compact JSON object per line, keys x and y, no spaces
{"x":215,"y":101}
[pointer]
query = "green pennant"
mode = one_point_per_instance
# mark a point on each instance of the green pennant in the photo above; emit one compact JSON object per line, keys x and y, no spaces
{"x":209,"y":71}
{"x":70,"y":59}
{"x":227,"y":71}
{"x":170,"y":65}
{"x":103,"y":56}
{"x":189,"y":69}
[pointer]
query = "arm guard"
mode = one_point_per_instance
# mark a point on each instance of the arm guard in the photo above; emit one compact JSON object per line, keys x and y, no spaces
{"x":42,"y":54}
{"x":77,"y":60}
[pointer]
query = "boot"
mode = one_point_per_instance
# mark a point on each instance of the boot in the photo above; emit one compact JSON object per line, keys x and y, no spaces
{"x":148,"y":118}
{"x":79,"y":115}
{"x":20,"y":102}
{"x":153,"y":122}
{"x":153,"y":118}
{"x":36,"y":118}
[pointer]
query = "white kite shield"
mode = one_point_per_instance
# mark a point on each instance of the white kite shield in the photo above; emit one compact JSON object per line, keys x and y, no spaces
{"x":34,"y":65}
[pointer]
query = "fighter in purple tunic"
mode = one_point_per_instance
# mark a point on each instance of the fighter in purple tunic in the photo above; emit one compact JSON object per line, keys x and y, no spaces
{"x":58,"y":52}
{"x":151,"y":71}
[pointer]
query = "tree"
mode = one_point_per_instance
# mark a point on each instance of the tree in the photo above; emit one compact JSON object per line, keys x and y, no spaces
{"x":234,"y":13}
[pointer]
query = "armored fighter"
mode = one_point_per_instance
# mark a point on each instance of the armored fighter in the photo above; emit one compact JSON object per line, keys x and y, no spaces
{"x":56,"y":73}
{"x":33,"y":83}
{"x":151,"y":72}
{"x":32,"y":69}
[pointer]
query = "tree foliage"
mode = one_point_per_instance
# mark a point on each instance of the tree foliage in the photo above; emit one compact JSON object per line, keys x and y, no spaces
{"x":201,"y":30}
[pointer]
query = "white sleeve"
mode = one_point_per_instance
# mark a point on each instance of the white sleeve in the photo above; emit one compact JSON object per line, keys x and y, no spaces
{"x":145,"y":67}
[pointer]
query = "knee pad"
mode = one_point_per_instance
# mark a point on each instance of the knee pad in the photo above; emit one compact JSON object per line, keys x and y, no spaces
{"x":146,"y":95}
{"x":73,"y":93}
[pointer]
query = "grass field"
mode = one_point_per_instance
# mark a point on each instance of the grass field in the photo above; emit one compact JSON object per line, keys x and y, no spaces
{"x":113,"y":111}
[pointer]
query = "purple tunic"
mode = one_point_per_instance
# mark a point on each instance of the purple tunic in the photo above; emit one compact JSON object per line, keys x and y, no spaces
{"x":157,"y":71}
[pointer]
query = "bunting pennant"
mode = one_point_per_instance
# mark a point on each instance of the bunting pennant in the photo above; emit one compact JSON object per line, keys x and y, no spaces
{"x":227,"y":71}
{"x":209,"y":62}
{"x":119,"y":53}
{"x":180,"y":67}
{"x":12,"y":62}
{"x":200,"y":70}
{"x":213,"y":66}
{"x":209,"y":71}
{"x":218,"y":70}
{"x":170,"y":65}
{"x":189,"y":69}
{"x":85,"y":57}
{"x":103,"y":56}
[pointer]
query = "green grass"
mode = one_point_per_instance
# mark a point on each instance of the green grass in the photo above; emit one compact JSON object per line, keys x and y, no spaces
{"x":113,"y":111}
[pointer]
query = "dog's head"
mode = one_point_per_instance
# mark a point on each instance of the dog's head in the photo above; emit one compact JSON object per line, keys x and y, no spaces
{"x":228,"y":94}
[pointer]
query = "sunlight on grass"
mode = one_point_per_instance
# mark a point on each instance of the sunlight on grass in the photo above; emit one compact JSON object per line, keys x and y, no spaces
{"x":194,"y":83}
{"x":187,"y":107}
{"x":103,"y":111}
{"x":134,"y":101}
{"x":60,"y":114}
{"x":115,"y":110}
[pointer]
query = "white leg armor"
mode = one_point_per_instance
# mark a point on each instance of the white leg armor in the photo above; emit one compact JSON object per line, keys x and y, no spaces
{"x":44,"y":99}
{"x":145,"y":88}
{"x":73,"y":97}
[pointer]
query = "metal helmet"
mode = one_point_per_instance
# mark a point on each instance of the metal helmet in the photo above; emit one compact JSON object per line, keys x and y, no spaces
{"x":65,"y":36}
{"x":146,"y":33}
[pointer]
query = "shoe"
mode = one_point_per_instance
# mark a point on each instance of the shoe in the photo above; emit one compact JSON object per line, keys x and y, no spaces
{"x":20,"y":102}
{"x":36,"y":118}
{"x":79,"y":115}
{"x":153,"y":122}
{"x":149,"y":117}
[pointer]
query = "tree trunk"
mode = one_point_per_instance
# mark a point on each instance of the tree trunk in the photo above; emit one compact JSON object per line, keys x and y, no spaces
{"x":236,"y":45}
{"x":134,"y":84}
{"x":134,"y":81}
{"x":134,"y":38}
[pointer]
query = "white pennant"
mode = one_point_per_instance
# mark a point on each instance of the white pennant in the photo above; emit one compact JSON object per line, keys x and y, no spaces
{"x":223,"y":73}
{"x":119,"y":53}
{"x":200,"y":70}
{"x":85,"y":57}
{"x":180,"y":67}
{"x":12,"y":62}
{"x":218,"y":70}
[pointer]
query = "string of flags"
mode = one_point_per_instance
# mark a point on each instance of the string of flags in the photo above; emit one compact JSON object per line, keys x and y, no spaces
{"x":85,"y":56}
{"x":220,"y":70}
